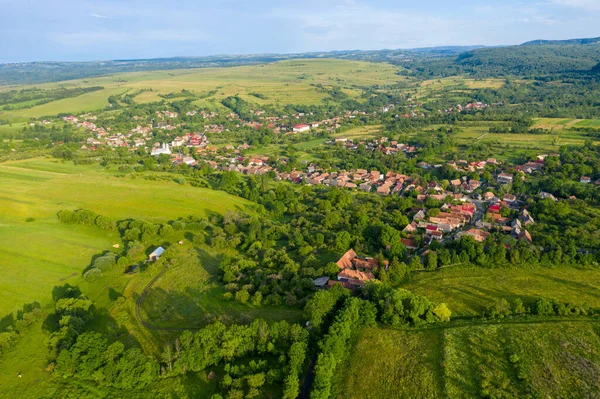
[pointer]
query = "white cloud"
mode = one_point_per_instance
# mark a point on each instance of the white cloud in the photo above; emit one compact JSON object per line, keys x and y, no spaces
{"x":99,"y":16}
{"x":590,"y":5}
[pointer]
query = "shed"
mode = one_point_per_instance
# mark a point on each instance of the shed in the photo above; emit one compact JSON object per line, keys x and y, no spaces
{"x":156,"y":253}
{"x":321,"y":282}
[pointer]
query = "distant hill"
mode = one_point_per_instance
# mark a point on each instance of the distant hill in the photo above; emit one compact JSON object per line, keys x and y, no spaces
{"x":591,"y":40}
{"x":533,"y":58}
{"x":39,"y":72}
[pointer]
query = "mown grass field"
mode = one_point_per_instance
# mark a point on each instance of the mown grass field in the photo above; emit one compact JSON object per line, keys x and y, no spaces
{"x":541,"y":360}
{"x":467,"y":291}
{"x":281,"y":83}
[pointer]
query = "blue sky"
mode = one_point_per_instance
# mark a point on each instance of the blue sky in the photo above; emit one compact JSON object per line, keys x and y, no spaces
{"x":74,"y":30}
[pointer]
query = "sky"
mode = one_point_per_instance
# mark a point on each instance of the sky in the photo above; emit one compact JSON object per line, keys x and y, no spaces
{"x":85,"y":30}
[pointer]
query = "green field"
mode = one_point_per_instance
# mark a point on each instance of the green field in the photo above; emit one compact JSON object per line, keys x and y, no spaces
{"x":504,"y":145}
{"x":362,"y":132}
{"x":42,"y":253}
{"x":281,"y":83}
{"x":564,"y":123}
{"x":189,"y":295}
{"x":467,"y":291}
{"x":540,"y":360}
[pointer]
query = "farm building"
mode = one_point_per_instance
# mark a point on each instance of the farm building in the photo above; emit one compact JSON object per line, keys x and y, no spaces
{"x":155,"y":255}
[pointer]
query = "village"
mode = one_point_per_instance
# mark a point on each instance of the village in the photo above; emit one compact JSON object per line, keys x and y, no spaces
{"x":471,"y":205}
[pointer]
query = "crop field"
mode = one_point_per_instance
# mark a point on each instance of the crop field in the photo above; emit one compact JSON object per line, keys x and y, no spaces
{"x":286,"y":82}
{"x":467,"y":291}
{"x":50,"y":253}
{"x":553,"y":359}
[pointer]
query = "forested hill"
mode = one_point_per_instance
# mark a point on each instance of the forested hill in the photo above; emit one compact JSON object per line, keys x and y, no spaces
{"x":590,"y":40}
{"x":522,"y":61}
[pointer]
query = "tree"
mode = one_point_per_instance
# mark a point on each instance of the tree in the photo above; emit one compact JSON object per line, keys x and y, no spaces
{"x":342,"y":241}
{"x":442,"y":312}
{"x":432,"y":261}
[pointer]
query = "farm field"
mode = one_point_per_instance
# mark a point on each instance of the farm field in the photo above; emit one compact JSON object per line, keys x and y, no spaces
{"x":467,"y":291}
{"x":51,"y":253}
{"x":554,"y":359}
{"x":280,"y":83}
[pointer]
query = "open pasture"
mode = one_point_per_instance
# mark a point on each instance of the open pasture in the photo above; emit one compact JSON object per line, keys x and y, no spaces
{"x":467,"y":291}
{"x":545,"y":359}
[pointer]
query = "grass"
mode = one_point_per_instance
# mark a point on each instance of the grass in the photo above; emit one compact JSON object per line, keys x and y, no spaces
{"x":86,"y":102}
{"x":39,"y":254}
{"x":392,"y":364}
{"x":362,"y":132}
{"x":511,"y":360}
{"x":467,"y":291}
{"x":564,"y":123}
{"x":189,"y":296}
{"x":281,"y":83}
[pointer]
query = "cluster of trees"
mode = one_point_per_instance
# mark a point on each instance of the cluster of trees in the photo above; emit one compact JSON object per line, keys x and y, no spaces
{"x":92,"y":358}
{"x":87,"y":218}
{"x":12,"y":328}
{"x":236,"y":349}
{"x":398,"y":306}
{"x":283,"y":345}
{"x":542,"y":307}
{"x":72,"y":313}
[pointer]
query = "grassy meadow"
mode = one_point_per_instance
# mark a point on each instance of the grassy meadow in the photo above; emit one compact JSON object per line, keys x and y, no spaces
{"x":541,"y":360}
{"x":468,"y":291}
{"x":41,"y":253}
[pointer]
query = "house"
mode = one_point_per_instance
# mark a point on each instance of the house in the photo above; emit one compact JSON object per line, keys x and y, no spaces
{"x":354,"y":278}
{"x":155,"y":255}
{"x":419,"y":215}
{"x":345,"y":261}
{"x":409,"y":244}
{"x":526,"y":218}
{"x":351,"y":261}
{"x":488,"y":195}
{"x":301,"y":128}
{"x":585,"y":179}
{"x":544,"y":195}
{"x":509,"y":198}
{"x":410,"y":228}
{"x":477,"y":234}
{"x":504,"y":178}
{"x":524,"y":235}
